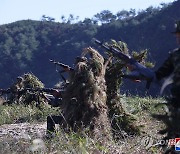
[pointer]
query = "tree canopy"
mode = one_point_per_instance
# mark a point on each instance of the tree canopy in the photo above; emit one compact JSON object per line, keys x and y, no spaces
{"x":27,"y":45}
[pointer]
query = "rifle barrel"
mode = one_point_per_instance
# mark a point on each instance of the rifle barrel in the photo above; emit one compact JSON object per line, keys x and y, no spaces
{"x":116,"y":52}
{"x":62,"y":65}
{"x":144,"y":71}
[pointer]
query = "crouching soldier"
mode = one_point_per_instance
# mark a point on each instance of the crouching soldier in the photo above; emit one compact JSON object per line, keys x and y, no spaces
{"x":69,"y":92}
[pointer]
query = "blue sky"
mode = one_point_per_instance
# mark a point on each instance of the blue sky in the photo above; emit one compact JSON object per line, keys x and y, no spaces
{"x":13,"y":10}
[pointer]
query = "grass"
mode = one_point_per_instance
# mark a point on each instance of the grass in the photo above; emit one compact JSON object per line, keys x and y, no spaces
{"x":80,"y":143}
{"x":20,"y":113}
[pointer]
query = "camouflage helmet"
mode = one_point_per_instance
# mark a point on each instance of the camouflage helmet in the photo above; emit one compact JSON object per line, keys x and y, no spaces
{"x":177,"y":27}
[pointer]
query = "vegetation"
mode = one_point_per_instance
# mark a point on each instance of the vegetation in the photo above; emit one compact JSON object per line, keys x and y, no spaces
{"x":81,"y":142}
{"x":20,"y":113}
{"x":27,"y":46}
{"x":90,"y":117}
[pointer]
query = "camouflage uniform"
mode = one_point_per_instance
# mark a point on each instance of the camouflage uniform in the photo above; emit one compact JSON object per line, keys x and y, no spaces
{"x":172,"y":66}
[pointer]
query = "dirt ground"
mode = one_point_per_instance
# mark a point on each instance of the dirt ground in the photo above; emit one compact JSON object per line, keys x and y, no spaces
{"x":23,"y":130}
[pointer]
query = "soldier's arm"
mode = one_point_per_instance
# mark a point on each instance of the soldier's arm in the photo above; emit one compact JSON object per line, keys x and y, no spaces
{"x":166,"y":69}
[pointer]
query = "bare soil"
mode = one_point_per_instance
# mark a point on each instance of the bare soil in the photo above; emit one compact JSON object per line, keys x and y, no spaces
{"x":23,"y":130}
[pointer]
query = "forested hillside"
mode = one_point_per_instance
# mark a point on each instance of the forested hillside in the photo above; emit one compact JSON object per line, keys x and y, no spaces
{"x":27,"y":46}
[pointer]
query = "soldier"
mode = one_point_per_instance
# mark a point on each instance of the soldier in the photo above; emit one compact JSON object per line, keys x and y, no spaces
{"x":171,"y":66}
{"x":55,"y":100}
{"x":15,"y":88}
{"x":58,"y":119}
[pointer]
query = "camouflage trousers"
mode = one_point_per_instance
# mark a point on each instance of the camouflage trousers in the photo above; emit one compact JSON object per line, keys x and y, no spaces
{"x":174,"y":117}
{"x":173,"y":122}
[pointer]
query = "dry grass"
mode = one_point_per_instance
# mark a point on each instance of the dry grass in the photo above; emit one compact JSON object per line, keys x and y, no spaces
{"x":78,"y":143}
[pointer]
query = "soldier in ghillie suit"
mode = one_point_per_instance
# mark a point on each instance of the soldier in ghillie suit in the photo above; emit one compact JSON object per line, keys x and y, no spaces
{"x":171,"y":67}
{"x":19,"y":92}
{"x":122,"y":121}
{"x":84,"y":101}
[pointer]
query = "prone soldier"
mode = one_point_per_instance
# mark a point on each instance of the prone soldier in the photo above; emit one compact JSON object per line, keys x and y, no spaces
{"x":171,"y":67}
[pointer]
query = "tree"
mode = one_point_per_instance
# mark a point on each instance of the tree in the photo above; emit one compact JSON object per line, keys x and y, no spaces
{"x":122,"y":15}
{"x":105,"y":16}
{"x":47,"y":18}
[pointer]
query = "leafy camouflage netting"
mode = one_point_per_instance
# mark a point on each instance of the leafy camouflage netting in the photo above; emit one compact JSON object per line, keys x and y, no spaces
{"x":27,"y":80}
{"x":85,"y":97}
{"x":31,"y":81}
{"x":121,"y":119}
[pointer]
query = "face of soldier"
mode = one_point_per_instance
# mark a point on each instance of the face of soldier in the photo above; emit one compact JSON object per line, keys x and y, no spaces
{"x":178,"y":38}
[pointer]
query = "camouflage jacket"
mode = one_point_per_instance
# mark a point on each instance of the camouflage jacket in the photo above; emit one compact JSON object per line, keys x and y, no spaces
{"x":171,"y":65}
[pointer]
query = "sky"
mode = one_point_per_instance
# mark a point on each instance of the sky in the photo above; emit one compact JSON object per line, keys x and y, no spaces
{"x":14,"y":10}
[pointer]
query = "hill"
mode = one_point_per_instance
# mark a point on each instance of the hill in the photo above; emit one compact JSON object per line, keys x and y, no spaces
{"x":27,"y":46}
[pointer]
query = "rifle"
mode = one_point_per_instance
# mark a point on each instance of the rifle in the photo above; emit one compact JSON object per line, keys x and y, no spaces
{"x":53,"y":91}
{"x":5,"y":91}
{"x":140,"y":72}
{"x":53,"y":97}
{"x":53,"y":100}
{"x":47,"y":90}
{"x":66,"y":68}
